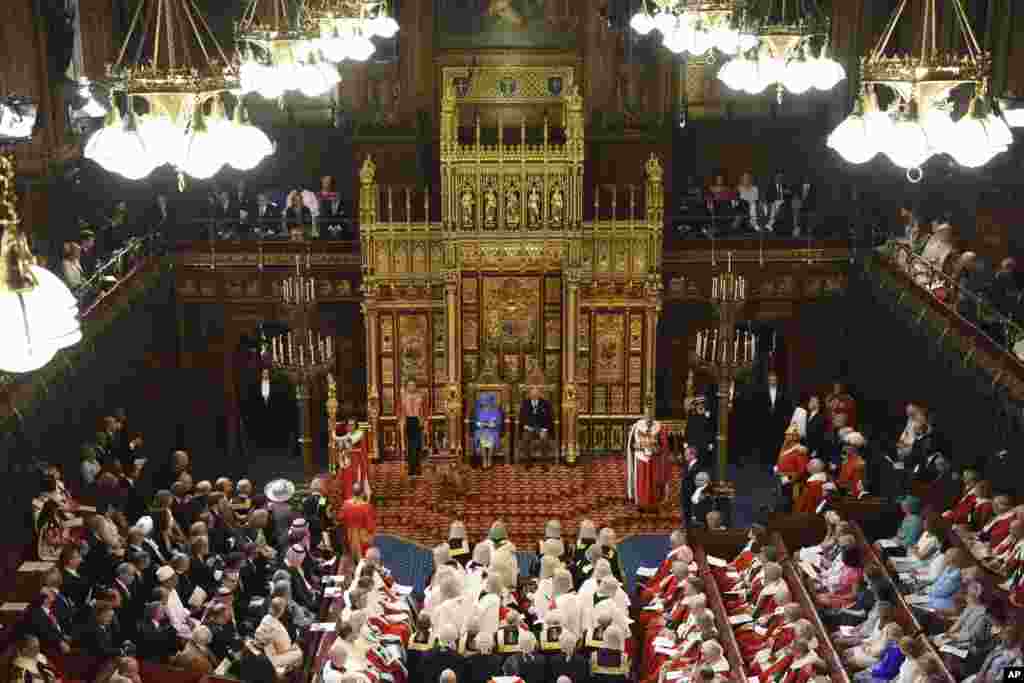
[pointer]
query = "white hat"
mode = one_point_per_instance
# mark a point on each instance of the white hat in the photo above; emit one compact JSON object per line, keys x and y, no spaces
{"x":855,"y":439}
{"x":279,"y":491}
{"x":164,"y":573}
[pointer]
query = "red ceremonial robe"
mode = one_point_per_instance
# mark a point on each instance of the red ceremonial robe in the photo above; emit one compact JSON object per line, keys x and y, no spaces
{"x":981,"y":513}
{"x":999,"y":528}
{"x":812,"y":494}
{"x":354,"y":465}
{"x":646,"y":463}
{"x":670,"y":590}
{"x":683,"y":659}
{"x":960,"y":513}
{"x":751,"y":642}
{"x":360,"y":521}
{"x":653,"y":584}
{"x":851,"y":475}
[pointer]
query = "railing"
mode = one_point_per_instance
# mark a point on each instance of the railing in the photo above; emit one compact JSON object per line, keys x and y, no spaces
{"x":1002,"y":330}
{"x":117,"y":267}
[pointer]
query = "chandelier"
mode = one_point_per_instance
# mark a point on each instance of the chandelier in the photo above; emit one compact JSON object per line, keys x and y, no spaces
{"x":692,"y":26}
{"x":301,"y":353}
{"x":178,"y":75}
{"x":783,"y":55}
{"x":918,"y":121}
{"x":38,"y":313}
{"x":280,"y":55}
{"x":345,"y":27}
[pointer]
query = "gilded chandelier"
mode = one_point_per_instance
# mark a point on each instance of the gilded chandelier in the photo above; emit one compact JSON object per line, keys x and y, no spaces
{"x":784,"y":54}
{"x":692,"y":26}
{"x":344,"y":28}
{"x":179,"y":74}
{"x":280,"y":53}
{"x":917,"y":122}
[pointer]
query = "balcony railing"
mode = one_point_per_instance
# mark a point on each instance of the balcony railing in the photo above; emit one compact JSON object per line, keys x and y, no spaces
{"x":1002,"y":330}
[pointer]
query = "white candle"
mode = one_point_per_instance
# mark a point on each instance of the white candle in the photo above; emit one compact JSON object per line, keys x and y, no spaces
{"x":736,"y":350}
{"x":714,"y":287}
{"x":730,"y":261}
{"x":297,"y":264}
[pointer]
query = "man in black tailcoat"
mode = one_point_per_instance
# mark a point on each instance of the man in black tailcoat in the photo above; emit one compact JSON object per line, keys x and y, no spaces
{"x":771,"y":411}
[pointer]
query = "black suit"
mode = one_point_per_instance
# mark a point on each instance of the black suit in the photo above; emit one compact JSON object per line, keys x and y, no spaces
{"x":48,"y":630}
{"x":815,"y":440}
{"x":301,"y":593}
{"x":225,"y":639}
{"x":156,"y":642}
{"x":531,"y":668}
{"x":436,"y":661}
{"x":1005,"y":473}
{"x":700,"y":433}
{"x":533,"y":417}
{"x":75,"y":588}
{"x":772,"y":419}
{"x":577,"y":668}
{"x":480,"y":668}
{"x":256,"y":668}
{"x":98,"y":641}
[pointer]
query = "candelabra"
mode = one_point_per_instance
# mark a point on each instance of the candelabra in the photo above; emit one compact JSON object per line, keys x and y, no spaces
{"x":723,"y":352}
{"x":303,"y":354}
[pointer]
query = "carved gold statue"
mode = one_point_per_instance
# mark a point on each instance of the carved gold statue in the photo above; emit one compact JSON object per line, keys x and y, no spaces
{"x":490,"y":207}
{"x":467,"y":208}
{"x":533,"y":207}
{"x":512,"y":208}
{"x":557,"y":206}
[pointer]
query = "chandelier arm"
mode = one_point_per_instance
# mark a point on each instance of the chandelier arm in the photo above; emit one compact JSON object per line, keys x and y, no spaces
{"x":172,"y":30}
{"x":927,"y":46}
{"x":967,"y":31}
{"x":248,"y":17}
{"x":195,"y":29}
{"x":883,"y":41}
{"x":158,"y":36}
{"x":128,"y":36}
{"x":213,"y":37}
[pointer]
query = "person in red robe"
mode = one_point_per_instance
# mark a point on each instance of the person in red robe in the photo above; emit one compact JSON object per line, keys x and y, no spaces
{"x":353,"y":461}
{"x":997,"y":528}
{"x":960,"y":513}
{"x":646,"y":461}
{"x":679,"y":552}
{"x":772,"y":632}
{"x":983,"y":506}
{"x":687,"y":646}
{"x":852,"y":466}
{"x":814,"y":490}
{"x":840,"y":409}
{"x":669,"y":591}
{"x":791,"y":465}
{"x":360,"y":521}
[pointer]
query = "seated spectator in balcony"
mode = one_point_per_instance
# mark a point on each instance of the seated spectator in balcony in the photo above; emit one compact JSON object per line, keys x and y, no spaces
{"x":265,"y":217}
{"x":71,"y":266}
{"x":332,"y":213}
{"x":295,"y":211}
{"x":721,"y":203}
{"x":972,"y":279}
{"x":1005,"y":289}
{"x":939,"y":253}
{"x":779,"y":197}
{"x":804,"y":202}
{"x":160,"y":217}
{"x":96,"y":637}
{"x":748,"y":202}
{"x":692,"y":209}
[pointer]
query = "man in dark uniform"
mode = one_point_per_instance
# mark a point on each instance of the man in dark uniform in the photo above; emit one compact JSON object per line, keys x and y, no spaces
{"x":536,"y":426}
{"x":700,"y":429}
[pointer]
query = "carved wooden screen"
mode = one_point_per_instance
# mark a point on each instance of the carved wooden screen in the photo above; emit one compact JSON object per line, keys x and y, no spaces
{"x":610,"y":376}
{"x":512,"y":332}
{"x":413,"y":346}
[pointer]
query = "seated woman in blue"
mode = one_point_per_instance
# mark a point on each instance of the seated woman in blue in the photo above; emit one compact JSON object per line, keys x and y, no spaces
{"x":488,"y":419}
{"x":941,"y":594}
{"x":888,"y":665}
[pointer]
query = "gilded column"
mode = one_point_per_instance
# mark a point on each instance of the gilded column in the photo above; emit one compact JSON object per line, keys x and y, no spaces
{"x":453,"y":392}
{"x":332,"y":423}
{"x":653,"y":288}
{"x":569,"y":404}
{"x":372,"y":383}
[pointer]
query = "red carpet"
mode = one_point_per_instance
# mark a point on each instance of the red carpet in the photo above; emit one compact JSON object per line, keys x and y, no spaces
{"x":524,"y":498}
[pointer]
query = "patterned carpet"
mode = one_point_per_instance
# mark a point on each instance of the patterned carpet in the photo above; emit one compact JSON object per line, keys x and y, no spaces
{"x":419,"y":512}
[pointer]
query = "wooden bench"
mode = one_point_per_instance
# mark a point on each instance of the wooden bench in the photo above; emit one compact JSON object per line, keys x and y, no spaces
{"x":726,"y":636}
{"x":799,"y":593}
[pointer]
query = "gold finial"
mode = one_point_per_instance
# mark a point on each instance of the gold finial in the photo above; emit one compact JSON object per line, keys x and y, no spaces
{"x":654,"y":170}
{"x":368,"y":172}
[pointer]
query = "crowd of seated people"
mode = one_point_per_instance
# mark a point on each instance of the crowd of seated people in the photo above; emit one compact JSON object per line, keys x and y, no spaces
{"x":721,"y":208}
{"x":204,"y":576}
{"x":958,"y":277}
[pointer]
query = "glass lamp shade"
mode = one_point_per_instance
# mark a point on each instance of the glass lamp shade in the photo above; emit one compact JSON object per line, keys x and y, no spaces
{"x":999,"y":132}
{"x":120,"y":149}
{"x":826,"y":73}
{"x":907,"y":145}
{"x":163,"y":139}
{"x":675,"y":40}
{"x":314,"y":79}
{"x":1014,"y":117}
{"x":642,"y":23}
{"x":38,"y":322}
{"x":384,"y":26}
{"x":209,"y":146}
{"x":940,"y":129}
{"x":251,"y":145}
{"x":797,"y":76}
{"x":333,"y":49}
{"x":971,"y":145}
{"x":769,"y":70}
{"x":360,"y":48}
{"x":267,"y":81}
{"x":725,"y":39}
{"x":740,"y":74}
{"x":852,"y":139}
{"x":665,"y":23}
